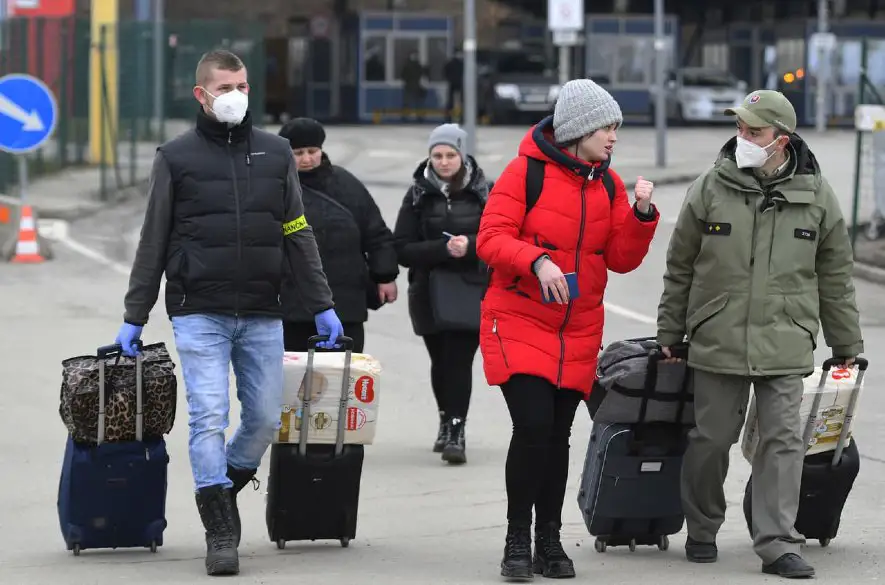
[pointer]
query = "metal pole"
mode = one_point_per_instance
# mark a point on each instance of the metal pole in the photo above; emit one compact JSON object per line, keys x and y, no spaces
{"x":23,"y":179}
{"x":469,"y":97}
{"x":564,"y":64}
{"x":660,"y":83}
{"x":159,"y":66}
{"x":823,"y":69}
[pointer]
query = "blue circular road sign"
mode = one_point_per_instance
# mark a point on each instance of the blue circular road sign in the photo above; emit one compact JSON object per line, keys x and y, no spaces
{"x":28,"y":113}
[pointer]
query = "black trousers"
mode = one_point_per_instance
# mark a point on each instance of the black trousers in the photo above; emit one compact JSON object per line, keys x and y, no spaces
{"x":296,"y":334}
{"x":537,"y":462}
{"x":451,"y":370}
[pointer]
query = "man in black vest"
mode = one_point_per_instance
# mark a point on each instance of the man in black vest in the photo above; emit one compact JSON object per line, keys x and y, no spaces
{"x":224,"y":211}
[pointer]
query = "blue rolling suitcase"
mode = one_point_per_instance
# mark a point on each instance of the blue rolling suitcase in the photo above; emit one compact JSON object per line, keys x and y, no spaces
{"x":113,"y":495}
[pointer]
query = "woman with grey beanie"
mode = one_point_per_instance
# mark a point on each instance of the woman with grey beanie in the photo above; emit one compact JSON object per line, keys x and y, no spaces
{"x":542,"y":315}
{"x":435,"y":238}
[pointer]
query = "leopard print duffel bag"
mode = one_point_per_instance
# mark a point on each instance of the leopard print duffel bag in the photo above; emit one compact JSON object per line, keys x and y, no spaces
{"x":79,"y":395}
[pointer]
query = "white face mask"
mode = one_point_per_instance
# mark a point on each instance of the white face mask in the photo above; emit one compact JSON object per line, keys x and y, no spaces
{"x":751,"y":156}
{"x":230,"y":107}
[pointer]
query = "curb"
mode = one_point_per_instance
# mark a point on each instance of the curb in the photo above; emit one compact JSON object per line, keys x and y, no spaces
{"x":869,"y":272}
{"x":91,"y":205}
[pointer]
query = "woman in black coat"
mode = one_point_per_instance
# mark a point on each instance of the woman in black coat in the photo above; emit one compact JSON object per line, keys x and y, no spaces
{"x":355,"y":244}
{"x":436,"y":240}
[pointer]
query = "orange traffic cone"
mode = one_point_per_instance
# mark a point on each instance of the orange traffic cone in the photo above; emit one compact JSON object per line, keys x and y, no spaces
{"x":27,"y":250}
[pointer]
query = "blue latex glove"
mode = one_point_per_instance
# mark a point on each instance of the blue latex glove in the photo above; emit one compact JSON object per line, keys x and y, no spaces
{"x":328,"y":323}
{"x":127,"y":337}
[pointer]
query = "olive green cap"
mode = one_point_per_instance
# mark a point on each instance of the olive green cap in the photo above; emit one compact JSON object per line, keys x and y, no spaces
{"x":764,"y":108}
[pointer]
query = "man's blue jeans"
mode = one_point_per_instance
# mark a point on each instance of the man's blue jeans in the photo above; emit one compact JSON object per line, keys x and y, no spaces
{"x":207,"y":345}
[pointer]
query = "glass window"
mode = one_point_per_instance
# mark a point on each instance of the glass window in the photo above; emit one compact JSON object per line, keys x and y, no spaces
{"x":635,"y":60}
{"x":437,"y":57}
{"x":375,"y":58}
{"x":297,"y":58}
{"x":876,"y":62}
{"x":403,"y":48}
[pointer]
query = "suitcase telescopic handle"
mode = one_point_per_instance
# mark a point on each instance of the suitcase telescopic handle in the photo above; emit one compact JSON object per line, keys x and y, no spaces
{"x":346,"y":345}
{"x":830,"y":363}
{"x":106,"y":351}
{"x":116,"y":350}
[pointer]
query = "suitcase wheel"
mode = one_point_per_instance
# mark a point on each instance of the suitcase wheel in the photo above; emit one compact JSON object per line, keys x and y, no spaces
{"x":153,"y":546}
{"x":824,"y":542}
{"x":632,"y":545}
{"x":76,"y":550}
{"x":599,"y":545}
{"x":345,"y":542}
{"x":664,"y":543}
{"x":281,"y":544}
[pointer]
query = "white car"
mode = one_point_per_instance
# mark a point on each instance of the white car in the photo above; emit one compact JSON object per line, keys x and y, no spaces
{"x":696,"y":94}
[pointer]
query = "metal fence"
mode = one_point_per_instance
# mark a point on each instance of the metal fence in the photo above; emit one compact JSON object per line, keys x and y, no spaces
{"x":117,"y":68}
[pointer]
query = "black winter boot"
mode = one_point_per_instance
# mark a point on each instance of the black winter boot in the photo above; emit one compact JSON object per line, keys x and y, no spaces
{"x":455,"y":449}
{"x":550,"y":559}
{"x":216,"y":512}
{"x":517,"y":562}
{"x":442,"y":434}
{"x":241,"y":478}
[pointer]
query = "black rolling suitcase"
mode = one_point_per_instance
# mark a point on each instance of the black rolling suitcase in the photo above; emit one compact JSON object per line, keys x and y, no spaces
{"x":630,"y":487}
{"x":313,"y":491}
{"x":827,"y":478}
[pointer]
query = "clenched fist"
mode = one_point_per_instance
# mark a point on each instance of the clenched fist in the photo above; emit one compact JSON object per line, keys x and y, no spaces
{"x":643,"y":191}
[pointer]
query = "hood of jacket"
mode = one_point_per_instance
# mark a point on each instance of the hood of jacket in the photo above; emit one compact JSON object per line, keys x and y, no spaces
{"x":798,"y":185}
{"x":538,"y":143}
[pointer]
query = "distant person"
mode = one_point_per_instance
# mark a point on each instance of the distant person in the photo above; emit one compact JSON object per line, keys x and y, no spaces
{"x":413,"y":75}
{"x":539,"y":340}
{"x":759,"y":256}
{"x":436,"y":240}
{"x":454,"y":74}
{"x":356,"y":246}
{"x":224,"y":213}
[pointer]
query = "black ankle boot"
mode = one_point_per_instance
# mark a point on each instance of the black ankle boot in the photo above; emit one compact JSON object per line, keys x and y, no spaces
{"x":216,"y":512}
{"x":517,"y":562}
{"x":550,"y":559}
{"x":442,"y":434}
{"x":241,"y":478}
{"x":455,"y":450}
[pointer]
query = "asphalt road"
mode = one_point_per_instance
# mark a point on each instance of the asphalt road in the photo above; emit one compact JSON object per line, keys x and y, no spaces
{"x":420,"y":521}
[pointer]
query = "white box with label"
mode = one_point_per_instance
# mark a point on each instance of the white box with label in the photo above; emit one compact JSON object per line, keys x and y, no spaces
{"x":328,"y":368}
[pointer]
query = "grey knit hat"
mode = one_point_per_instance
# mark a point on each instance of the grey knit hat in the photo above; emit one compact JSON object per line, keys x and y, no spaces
{"x":582,"y":107}
{"x":450,"y":135}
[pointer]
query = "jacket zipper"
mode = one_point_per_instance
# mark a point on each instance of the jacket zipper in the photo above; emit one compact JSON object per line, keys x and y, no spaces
{"x":568,"y":310}
{"x":500,"y":342}
{"x":233,"y":169}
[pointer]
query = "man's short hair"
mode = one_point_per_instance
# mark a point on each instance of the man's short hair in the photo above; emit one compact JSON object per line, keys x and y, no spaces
{"x":217,"y":59}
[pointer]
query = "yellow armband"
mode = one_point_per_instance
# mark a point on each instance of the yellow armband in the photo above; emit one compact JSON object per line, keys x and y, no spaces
{"x":296,"y":225}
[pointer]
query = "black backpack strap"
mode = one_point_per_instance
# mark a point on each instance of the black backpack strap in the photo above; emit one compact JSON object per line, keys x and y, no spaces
{"x":534,"y":182}
{"x":609,"y":185}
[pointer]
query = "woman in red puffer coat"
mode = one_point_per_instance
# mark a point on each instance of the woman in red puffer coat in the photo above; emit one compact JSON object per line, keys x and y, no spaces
{"x":542,"y":351}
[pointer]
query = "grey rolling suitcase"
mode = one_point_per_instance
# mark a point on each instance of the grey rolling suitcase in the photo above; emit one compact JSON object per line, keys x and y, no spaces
{"x":630,"y":487}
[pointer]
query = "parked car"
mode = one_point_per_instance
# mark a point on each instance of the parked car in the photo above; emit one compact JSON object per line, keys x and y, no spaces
{"x":515,"y":86}
{"x":697,"y":94}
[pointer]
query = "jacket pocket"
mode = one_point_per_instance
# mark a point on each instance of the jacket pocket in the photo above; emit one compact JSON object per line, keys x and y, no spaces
{"x":802,"y":317}
{"x":178,"y":274}
{"x":500,"y":341}
{"x":700,"y":316}
{"x":545,"y":245}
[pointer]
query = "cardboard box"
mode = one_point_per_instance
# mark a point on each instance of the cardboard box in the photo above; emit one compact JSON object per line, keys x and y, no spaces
{"x":328,"y":368}
{"x":830,"y":415}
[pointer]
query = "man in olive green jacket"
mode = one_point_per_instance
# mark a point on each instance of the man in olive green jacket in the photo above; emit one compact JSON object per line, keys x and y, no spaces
{"x":760,"y":255}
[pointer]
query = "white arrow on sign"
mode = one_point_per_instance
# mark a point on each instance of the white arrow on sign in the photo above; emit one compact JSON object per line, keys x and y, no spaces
{"x":31,"y":122}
